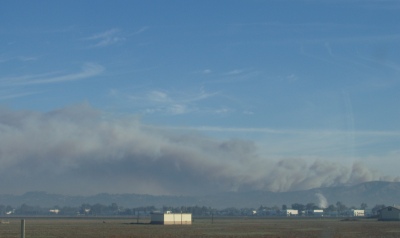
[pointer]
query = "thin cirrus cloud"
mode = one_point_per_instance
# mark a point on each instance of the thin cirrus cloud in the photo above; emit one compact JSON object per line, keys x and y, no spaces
{"x":12,"y":95}
{"x":234,"y":72}
{"x":106,"y":38}
{"x":141,"y":30}
{"x":165,"y":101}
{"x":237,"y":75}
{"x":17,"y":58}
{"x":266,"y":130}
{"x":203,"y":71}
{"x":172,"y":103}
{"x":88,"y":70}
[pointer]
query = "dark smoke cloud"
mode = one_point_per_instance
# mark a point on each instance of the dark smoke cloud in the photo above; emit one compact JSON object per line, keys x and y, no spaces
{"x":77,"y":150}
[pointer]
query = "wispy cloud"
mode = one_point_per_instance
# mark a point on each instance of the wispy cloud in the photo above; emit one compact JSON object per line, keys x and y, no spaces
{"x":351,"y":33}
{"x":106,"y":38}
{"x":165,"y":101}
{"x":176,"y":103}
{"x":159,"y":96}
{"x":292,"y":77}
{"x":291,"y":132}
{"x":11,"y":95}
{"x":386,"y":63}
{"x":141,"y":30}
{"x":234,"y":72}
{"x":335,"y":59}
{"x":17,"y":58}
{"x":237,"y":75}
{"x":203,"y":72}
{"x":88,"y":70}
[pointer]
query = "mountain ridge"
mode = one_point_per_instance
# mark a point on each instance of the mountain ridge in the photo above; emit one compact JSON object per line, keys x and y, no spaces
{"x":372,"y":193}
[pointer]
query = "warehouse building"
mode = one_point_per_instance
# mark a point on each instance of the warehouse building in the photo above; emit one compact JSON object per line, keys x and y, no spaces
{"x":169,"y":218}
{"x":390,"y":213}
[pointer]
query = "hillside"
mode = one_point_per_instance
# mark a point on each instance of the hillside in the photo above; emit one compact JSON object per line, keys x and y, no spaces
{"x":372,"y":193}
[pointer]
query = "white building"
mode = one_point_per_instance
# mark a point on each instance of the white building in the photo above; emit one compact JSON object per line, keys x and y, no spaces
{"x":55,"y":211}
{"x":390,"y":213}
{"x":290,"y":212}
{"x":357,"y":213}
{"x":169,"y":218}
{"x":316,"y":212}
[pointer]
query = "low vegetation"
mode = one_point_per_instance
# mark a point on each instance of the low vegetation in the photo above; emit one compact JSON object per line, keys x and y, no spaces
{"x":202,"y":227}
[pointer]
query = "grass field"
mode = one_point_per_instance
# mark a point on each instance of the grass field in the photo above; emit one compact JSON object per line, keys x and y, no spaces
{"x":221,"y":227}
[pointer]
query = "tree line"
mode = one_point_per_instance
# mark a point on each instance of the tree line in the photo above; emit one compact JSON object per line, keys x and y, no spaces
{"x":115,"y":210}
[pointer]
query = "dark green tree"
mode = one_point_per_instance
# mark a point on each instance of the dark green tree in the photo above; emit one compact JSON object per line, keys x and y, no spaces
{"x":331,"y":208}
{"x":298,"y":206}
{"x":341,"y":207}
{"x":311,"y":206}
{"x":2,"y":210}
{"x":363,"y":206}
{"x":377,"y":208}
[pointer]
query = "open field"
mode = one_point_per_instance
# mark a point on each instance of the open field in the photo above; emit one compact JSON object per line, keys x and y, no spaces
{"x":221,"y":227}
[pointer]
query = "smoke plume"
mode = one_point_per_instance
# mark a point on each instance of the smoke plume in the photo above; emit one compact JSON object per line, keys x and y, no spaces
{"x":77,"y":150}
{"x":322,"y":201}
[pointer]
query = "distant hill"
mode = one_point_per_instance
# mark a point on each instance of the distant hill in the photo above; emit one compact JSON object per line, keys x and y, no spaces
{"x":372,"y":193}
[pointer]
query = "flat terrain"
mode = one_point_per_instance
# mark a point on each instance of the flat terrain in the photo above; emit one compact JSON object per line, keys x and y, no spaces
{"x":221,"y":227}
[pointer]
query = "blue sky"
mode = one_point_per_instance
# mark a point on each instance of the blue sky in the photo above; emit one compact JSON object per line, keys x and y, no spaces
{"x":301,"y":80}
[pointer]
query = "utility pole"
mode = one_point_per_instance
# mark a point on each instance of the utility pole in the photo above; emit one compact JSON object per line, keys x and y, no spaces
{"x":22,"y":228}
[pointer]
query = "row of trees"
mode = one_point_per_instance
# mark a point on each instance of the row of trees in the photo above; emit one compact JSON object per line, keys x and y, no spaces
{"x":98,"y":210}
{"x":312,"y":206}
{"x":115,"y":210}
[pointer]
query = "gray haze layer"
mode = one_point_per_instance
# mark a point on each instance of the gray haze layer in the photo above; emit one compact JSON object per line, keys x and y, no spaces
{"x":78,"y":150}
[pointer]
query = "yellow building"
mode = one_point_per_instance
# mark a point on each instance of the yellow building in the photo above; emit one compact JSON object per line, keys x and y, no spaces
{"x":169,"y":218}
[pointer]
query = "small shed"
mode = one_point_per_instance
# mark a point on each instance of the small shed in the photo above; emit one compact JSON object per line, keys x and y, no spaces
{"x":171,"y":218}
{"x":390,"y":213}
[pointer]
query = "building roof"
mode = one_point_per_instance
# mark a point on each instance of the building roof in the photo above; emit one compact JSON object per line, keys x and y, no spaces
{"x":394,"y":206}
